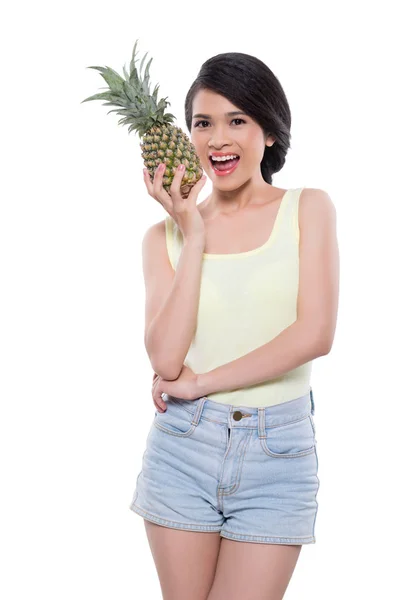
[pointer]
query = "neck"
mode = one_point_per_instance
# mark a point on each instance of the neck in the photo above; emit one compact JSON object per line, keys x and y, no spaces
{"x":231,"y":201}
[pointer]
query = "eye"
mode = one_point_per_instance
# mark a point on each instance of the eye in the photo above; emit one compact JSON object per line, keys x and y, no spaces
{"x":199,"y":122}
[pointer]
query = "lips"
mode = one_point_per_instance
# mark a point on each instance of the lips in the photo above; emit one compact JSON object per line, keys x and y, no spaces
{"x":220,"y":155}
{"x":231,"y":166}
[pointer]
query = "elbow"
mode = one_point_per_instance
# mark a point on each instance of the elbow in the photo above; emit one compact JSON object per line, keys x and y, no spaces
{"x":324,"y":349}
{"x":165,"y":368}
{"x":327,"y":338}
{"x":320,"y":341}
{"x":322,"y":345}
{"x":317,"y":334}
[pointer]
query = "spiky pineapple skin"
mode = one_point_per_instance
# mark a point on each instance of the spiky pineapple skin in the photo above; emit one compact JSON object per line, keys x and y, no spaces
{"x":161,"y":140}
{"x":169,"y":144}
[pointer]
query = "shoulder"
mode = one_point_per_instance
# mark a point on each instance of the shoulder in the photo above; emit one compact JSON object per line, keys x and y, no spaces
{"x":157,"y":247}
{"x":155,"y":233}
{"x":315,"y":205}
{"x":158,"y":228}
{"x":314,"y":199}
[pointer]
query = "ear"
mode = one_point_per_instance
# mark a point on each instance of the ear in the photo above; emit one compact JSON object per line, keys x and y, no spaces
{"x":270,"y":140}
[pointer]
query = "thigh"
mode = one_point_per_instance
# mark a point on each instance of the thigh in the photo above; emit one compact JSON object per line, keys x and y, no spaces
{"x":248,"y":570}
{"x":185,"y":560}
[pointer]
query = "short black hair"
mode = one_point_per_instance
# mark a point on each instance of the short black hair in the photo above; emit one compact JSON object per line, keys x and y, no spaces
{"x":250,"y":85}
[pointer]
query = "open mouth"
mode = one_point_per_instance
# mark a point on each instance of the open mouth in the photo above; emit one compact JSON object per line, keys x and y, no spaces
{"x":224,"y":167}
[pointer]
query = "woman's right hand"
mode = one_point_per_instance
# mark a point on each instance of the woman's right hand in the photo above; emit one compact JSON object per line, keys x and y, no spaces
{"x":159,"y":404}
{"x":184,"y":211}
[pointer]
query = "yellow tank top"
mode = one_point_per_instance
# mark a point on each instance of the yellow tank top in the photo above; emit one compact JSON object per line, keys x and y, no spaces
{"x":246,"y":300}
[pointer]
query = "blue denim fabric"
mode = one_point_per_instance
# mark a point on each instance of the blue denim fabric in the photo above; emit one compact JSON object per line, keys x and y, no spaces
{"x":250,"y":473}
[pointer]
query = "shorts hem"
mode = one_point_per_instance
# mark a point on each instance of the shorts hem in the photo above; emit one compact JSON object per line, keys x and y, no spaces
{"x":173,"y":524}
{"x":267,"y":539}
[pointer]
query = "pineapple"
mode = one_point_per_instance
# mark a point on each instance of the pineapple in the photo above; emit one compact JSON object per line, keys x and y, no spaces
{"x":161,"y":140}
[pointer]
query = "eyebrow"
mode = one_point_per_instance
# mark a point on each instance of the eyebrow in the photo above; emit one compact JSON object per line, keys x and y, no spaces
{"x":229,"y":114}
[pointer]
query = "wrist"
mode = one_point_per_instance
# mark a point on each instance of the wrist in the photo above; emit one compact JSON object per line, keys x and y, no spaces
{"x":204,"y":384}
{"x":196,"y":241}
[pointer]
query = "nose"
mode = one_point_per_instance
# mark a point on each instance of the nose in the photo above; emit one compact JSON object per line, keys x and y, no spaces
{"x":218,"y":139}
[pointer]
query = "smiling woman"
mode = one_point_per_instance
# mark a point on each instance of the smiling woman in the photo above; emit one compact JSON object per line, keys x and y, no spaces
{"x":254,"y":94}
{"x":236,"y":315}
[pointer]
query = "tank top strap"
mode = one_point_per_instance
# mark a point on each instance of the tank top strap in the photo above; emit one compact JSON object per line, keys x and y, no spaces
{"x":286,"y":227}
{"x":289,"y":225}
{"x":174,"y":240}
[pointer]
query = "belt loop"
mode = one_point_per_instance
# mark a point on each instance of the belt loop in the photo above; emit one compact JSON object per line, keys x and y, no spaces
{"x":198,"y":410}
{"x":312,"y":402}
{"x":261,"y":422}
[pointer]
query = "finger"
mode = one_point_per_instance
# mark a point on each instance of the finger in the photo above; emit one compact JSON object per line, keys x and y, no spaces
{"x":159,"y":403}
{"x":155,"y":381}
{"x":159,"y":408}
{"x":148,"y":183}
{"x":196,"y":189}
{"x":156,"y":395}
{"x":176,"y":184}
{"x":155,"y":188}
{"x":158,"y":186}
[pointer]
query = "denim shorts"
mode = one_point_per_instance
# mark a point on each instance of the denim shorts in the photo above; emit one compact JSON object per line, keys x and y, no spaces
{"x":249,"y":473}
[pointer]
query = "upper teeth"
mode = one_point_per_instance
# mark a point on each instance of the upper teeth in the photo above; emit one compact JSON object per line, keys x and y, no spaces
{"x":224,"y":157}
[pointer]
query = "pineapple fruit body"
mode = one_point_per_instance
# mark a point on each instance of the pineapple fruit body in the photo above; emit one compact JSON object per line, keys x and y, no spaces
{"x":170,"y":145}
{"x":161,"y":140}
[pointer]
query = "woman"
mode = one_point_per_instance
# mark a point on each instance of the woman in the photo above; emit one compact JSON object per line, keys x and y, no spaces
{"x":242,"y":295}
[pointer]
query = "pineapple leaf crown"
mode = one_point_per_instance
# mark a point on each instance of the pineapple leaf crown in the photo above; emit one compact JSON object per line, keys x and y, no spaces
{"x":139,"y":106}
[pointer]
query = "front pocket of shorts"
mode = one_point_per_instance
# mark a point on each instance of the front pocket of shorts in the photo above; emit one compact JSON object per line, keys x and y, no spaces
{"x":290,"y":440}
{"x":175,"y":420}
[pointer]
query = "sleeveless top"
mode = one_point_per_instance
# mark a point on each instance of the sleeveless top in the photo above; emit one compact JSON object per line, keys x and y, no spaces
{"x":246,"y":300}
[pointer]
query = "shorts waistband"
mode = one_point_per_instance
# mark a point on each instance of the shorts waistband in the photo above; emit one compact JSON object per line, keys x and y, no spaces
{"x":250,"y":417}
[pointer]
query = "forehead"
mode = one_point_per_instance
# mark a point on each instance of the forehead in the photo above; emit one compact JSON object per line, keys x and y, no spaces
{"x":209,"y":102}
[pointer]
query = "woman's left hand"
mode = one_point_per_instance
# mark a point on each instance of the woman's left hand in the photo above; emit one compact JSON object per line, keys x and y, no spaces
{"x":184,"y":387}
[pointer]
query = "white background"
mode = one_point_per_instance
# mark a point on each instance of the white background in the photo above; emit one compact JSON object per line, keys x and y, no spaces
{"x":76,"y":401}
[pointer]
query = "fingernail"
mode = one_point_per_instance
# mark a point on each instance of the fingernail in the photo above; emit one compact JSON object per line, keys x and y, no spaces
{"x":181,"y":168}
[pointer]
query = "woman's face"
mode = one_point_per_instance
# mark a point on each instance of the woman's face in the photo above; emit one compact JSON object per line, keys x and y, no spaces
{"x":216,"y":131}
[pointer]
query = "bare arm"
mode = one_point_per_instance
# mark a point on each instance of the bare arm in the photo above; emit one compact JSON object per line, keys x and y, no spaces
{"x":172,"y":301}
{"x":172,"y":298}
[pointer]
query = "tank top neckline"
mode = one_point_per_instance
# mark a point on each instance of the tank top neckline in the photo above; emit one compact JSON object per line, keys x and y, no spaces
{"x":272,"y":236}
